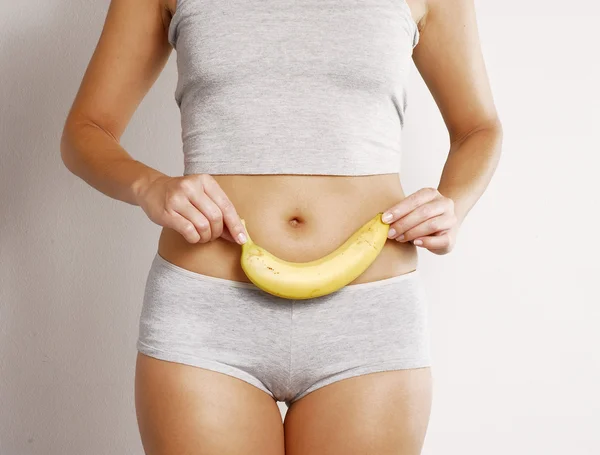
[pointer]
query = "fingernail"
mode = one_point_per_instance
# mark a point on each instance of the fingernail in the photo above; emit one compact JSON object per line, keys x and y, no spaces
{"x":391,"y":233}
{"x":400,"y":237}
{"x":418,"y":242}
{"x":387,"y":216}
{"x":242,"y":237}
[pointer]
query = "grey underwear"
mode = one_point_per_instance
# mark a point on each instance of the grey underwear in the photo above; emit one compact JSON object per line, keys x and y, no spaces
{"x":286,"y":348}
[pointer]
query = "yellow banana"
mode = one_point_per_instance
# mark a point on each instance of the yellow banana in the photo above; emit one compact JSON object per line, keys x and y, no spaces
{"x":304,"y":280}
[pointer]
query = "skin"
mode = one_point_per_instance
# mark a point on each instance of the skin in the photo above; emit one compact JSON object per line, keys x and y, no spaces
{"x":184,"y":409}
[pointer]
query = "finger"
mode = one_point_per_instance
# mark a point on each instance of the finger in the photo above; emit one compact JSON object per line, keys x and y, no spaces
{"x":409,"y":203}
{"x":415,"y":218}
{"x":429,"y":227}
{"x":230,"y":216}
{"x":211,"y":212}
{"x":198,"y":220}
{"x":434,"y":242}
{"x":227,"y":235}
{"x":183,"y":226}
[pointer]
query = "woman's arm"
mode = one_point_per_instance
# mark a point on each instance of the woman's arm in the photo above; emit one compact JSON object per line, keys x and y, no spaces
{"x":450,"y":60}
{"x":131,"y":53}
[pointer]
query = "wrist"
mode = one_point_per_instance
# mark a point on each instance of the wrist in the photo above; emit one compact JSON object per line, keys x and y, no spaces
{"x":142,"y":182}
{"x":459,"y":210}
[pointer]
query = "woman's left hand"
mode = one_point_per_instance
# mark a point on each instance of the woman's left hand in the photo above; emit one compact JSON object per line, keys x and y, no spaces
{"x":426,"y":218}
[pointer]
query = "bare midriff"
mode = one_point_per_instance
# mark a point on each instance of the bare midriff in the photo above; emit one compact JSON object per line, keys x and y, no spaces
{"x":298,"y":218}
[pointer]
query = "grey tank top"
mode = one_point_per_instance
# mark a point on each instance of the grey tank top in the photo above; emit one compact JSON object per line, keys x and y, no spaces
{"x":313,"y":87}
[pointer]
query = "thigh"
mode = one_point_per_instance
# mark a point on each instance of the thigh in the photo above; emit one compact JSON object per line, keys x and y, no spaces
{"x":185,"y":409}
{"x":384,"y":412}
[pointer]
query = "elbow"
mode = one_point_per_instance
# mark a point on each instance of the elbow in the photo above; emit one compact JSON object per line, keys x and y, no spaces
{"x":496,"y":126}
{"x":492,"y":135}
{"x":493,"y":128}
{"x":490,"y":127}
{"x":64,"y":151}
{"x":67,"y":150}
{"x":498,"y":134}
{"x":486,"y":138}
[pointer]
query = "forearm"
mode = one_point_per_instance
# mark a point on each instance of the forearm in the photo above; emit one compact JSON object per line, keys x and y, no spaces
{"x":97,"y":157}
{"x":469,"y":168}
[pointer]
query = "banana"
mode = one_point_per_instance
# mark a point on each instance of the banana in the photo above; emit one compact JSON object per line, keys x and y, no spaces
{"x":305,"y":280}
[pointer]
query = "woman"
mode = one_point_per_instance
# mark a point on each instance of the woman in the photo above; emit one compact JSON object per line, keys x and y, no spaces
{"x":291,"y":120}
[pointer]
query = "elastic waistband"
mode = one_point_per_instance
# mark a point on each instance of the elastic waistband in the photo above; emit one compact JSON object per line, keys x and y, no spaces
{"x":242,"y":284}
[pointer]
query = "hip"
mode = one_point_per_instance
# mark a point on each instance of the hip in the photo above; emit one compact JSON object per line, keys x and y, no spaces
{"x":288,"y":348}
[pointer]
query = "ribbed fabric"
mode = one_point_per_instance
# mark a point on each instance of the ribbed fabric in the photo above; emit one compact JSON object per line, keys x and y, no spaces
{"x":292,"y":86}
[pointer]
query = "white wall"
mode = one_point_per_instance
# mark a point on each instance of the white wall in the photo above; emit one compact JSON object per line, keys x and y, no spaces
{"x":514,"y":309}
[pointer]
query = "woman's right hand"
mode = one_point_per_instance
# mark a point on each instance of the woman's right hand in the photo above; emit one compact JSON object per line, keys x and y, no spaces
{"x":194,"y":205}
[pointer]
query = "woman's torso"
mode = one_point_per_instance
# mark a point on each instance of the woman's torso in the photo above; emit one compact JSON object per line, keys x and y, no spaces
{"x":296,"y":217}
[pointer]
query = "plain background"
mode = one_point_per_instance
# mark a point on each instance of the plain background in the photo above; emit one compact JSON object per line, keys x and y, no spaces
{"x":514,"y":308}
